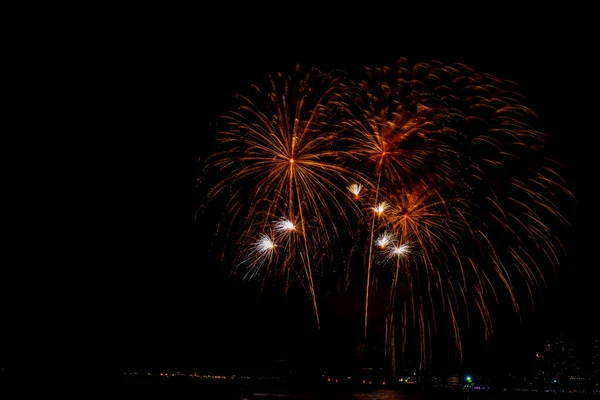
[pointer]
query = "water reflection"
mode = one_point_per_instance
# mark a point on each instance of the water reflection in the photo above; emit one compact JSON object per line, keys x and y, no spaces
{"x":382,"y":395}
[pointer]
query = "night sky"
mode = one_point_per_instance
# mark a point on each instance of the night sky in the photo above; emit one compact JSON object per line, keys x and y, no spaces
{"x":170,"y":303}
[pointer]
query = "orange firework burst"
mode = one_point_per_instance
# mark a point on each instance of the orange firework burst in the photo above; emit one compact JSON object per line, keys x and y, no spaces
{"x":283,"y":156}
{"x":460,"y":166}
{"x":441,"y":165}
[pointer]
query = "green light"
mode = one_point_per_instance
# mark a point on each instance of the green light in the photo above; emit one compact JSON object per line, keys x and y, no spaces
{"x":468,"y":379}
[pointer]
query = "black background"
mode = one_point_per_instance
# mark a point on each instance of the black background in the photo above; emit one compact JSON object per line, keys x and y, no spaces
{"x":161,"y":300}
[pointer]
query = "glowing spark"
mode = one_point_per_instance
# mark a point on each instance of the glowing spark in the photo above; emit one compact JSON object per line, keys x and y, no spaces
{"x":384,"y":239}
{"x":291,"y":160}
{"x":380,"y":208}
{"x":285,"y":225}
{"x":355,"y":189}
{"x":261,"y":252}
{"x":264,"y":245}
{"x":400,"y":250}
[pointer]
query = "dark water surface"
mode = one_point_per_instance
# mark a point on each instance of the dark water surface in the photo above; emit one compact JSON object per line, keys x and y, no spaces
{"x":195,"y":390}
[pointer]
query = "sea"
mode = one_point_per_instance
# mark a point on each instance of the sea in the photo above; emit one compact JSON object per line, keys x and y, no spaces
{"x":188,"y":390}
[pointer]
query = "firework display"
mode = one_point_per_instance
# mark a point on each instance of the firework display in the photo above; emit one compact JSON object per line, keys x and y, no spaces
{"x":424,"y":180}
